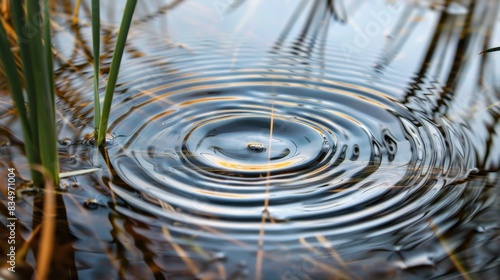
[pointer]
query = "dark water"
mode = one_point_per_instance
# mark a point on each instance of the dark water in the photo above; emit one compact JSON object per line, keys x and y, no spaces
{"x":291,"y":140}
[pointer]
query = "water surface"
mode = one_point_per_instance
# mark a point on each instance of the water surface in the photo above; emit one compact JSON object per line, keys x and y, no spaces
{"x":330,"y":138}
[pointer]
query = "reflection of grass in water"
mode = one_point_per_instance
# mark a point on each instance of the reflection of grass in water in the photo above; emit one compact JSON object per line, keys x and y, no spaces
{"x":454,"y":259}
{"x":265,"y":212}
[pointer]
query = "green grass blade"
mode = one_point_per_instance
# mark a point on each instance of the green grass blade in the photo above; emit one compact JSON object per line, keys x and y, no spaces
{"x":490,"y":50}
{"x":51,"y":137}
{"x":44,"y":98}
{"x":115,"y":67}
{"x":48,"y":51}
{"x":96,"y":32}
{"x":24,"y":33}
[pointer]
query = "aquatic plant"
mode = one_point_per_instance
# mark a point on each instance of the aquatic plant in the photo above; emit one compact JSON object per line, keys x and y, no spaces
{"x":268,"y":156}
{"x":36,"y":110}
{"x":96,"y":26}
{"x":115,"y":67}
{"x":101,"y":117}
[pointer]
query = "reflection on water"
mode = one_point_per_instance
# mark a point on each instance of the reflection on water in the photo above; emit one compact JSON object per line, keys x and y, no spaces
{"x":332,"y":138}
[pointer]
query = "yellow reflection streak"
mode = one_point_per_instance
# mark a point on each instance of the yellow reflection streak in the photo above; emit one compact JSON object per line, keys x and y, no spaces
{"x":456,"y":262}
{"x":258,"y":265}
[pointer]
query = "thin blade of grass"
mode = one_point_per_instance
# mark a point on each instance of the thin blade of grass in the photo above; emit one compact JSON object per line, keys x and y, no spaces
{"x":48,"y":52}
{"x":451,"y":254}
{"x":115,"y":68}
{"x":490,"y":50}
{"x":265,"y":213}
{"x":24,"y":34}
{"x":51,"y":137}
{"x":96,"y":28}
{"x":44,"y":99}
{"x":76,"y":11}
{"x":193,"y":268}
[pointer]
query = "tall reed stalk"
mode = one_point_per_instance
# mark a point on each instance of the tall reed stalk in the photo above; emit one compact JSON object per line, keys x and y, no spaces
{"x":115,"y":67}
{"x":36,"y":110}
{"x":96,"y":45}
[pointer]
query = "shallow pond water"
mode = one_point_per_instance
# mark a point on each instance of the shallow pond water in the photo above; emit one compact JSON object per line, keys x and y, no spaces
{"x":280,"y":140}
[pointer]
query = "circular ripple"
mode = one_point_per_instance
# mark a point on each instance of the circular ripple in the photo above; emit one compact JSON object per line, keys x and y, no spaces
{"x":209,"y":138}
{"x":237,"y":144}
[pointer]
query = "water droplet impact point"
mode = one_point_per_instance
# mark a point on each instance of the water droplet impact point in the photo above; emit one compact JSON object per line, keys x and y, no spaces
{"x":256,"y":147}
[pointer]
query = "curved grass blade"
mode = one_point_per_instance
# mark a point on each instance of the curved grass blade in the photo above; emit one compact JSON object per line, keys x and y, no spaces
{"x":490,"y":50}
{"x":96,"y":28}
{"x":115,"y":68}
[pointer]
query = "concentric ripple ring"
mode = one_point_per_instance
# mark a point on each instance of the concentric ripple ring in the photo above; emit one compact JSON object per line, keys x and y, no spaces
{"x":332,"y":152}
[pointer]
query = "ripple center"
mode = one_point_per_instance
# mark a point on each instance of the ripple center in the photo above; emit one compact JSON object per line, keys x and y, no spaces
{"x":236,"y":144}
{"x":256,"y":147}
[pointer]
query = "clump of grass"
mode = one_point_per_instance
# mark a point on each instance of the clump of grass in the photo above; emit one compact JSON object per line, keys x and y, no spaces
{"x":33,"y":90}
{"x":36,"y":110}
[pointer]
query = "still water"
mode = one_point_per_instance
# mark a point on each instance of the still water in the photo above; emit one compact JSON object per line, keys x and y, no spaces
{"x":282,"y":140}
